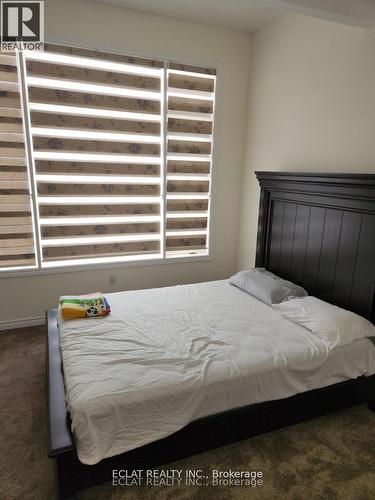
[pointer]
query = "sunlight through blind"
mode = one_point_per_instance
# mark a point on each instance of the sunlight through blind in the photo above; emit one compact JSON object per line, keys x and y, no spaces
{"x":119,"y":162}
{"x":191,"y":97}
{"x":16,"y":225}
{"x":96,"y":130}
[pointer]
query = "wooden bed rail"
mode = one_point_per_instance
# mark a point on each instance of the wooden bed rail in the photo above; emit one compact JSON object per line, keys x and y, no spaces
{"x":60,"y":438}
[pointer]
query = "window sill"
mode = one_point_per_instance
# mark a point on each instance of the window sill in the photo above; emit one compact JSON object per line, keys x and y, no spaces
{"x":109,"y":265}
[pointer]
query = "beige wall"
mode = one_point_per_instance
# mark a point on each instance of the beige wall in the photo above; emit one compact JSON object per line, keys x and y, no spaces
{"x":103,"y":26}
{"x":311,"y":107}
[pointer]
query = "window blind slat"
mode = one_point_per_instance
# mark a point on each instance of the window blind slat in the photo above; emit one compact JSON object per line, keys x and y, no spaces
{"x":8,"y":86}
{"x":54,"y":120}
{"x":191,"y":105}
{"x":100,"y":209}
{"x":188,"y":176}
{"x":107,"y":220}
{"x":188,"y":167}
{"x":16,"y":185}
{"x":11,"y":175}
{"x":100,"y":251}
{"x":84,"y":189}
{"x":98,"y":179}
{"x":14,"y":221}
{"x":6,"y":198}
{"x":187,"y":69}
{"x":10,"y":100}
{"x":16,"y":229}
{"x":12,"y":150}
{"x":92,"y":88}
{"x":189,"y":126}
{"x":189,"y":147}
{"x":182,"y":205}
{"x":16,"y":242}
{"x":8,"y":207}
{"x":11,"y":126}
{"x":98,"y":135}
{"x":180,"y":187}
{"x":188,"y":157}
{"x":92,"y":146}
{"x":62,"y":230}
{"x":99,"y":168}
{"x":185,"y":244}
{"x":87,"y":199}
{"x":97,"y":240}
{"x":89,"y":100}
{"x":9,"y":112}
{"x":11,"y":137}
{"x":43,"y":69}
{"x":13,"y":162}
{"x":187,"y":223}
{"x":87,"y":111}
{"x":77,"y":156}
{"x":105,"y":56}
{"x":183,"y":81}
{"x":18,"y":251}
{"x":8,"y":75}
{"x":8,"y":60}
{"x":11,"y":261}
{"x":190,"y":115}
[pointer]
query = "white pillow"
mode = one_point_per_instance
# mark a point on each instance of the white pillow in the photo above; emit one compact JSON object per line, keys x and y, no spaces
{"x":335,"y":325}
{"x":266,"y":286}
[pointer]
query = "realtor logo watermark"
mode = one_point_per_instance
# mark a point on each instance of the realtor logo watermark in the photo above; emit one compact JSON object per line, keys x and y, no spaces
{"x":22,"y":25}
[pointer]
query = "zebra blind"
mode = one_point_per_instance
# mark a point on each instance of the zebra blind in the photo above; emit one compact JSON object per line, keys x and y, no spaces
{"x":16,"y":224}
{"x":120,"y":158}
{"x":96,"y":130}
{"x":191,"y":93}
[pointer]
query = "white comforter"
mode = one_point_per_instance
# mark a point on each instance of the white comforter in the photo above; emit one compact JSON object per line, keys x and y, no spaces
{"x":144,"y":372}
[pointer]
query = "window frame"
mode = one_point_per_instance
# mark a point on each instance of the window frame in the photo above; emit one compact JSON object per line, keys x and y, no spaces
{"x":37,"y":269}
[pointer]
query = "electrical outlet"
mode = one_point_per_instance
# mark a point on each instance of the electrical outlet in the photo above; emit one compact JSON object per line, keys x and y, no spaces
{"x":112,"y":279}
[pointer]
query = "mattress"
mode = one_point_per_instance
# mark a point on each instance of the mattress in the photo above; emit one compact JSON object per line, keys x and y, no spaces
{"x":168,"y":356}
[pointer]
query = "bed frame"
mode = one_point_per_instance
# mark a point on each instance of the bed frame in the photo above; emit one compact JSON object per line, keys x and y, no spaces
{"x":317,"y":230}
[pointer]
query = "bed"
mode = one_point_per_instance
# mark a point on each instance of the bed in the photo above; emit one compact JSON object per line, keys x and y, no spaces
{"x":316,"y":230}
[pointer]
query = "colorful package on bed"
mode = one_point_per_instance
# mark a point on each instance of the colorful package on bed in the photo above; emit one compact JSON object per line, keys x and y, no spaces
{"x":84,"y":306}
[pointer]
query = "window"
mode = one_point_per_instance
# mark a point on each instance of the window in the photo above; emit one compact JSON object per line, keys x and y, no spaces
{"x":119,"y":158}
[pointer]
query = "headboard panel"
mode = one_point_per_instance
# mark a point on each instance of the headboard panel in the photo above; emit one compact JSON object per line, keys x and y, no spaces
{"x":318,"y":230}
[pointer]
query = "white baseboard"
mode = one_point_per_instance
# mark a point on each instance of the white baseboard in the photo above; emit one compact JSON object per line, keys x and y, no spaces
{"x":21,"y":323}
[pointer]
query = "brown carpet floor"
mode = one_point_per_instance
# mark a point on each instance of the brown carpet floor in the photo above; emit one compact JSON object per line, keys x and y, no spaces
{"x":327,"y":458}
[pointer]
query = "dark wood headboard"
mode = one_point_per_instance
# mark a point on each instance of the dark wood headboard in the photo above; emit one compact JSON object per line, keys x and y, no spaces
{"x":318,"y":230}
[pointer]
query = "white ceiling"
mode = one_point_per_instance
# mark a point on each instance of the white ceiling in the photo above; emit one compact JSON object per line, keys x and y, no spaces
{"x":248,"y":15}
